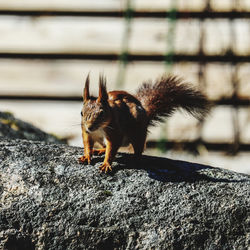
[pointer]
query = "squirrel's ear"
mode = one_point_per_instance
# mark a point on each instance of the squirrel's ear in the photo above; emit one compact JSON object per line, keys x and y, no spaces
{"x":86,"y":96}
{"x":103,"y":94}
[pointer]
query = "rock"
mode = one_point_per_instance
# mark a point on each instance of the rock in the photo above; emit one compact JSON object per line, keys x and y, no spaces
{"x":14,"y":128}
{"x":50,"y":201}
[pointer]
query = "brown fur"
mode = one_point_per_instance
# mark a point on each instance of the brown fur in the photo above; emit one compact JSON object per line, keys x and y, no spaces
{"x":168,"y":94}
{"x":121,"y":118}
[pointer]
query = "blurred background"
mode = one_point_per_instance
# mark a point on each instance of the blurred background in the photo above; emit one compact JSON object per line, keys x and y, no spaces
{"x":47,"y":48}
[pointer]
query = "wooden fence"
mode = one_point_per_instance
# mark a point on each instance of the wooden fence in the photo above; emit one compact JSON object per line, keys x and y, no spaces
{"x":48,"y":47}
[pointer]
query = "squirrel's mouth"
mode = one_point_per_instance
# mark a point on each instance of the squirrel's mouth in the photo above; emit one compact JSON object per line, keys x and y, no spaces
{"x":90,"y":129}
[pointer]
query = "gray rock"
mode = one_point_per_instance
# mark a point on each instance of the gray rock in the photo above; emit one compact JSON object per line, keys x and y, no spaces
{"x":14,"y":128}
{"x":50,"y":201}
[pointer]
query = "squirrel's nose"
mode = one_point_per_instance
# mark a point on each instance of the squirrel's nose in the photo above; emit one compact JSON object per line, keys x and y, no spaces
{"x":89,"y":128}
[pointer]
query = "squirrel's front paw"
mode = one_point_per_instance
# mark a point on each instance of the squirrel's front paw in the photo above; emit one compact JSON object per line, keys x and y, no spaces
{"x":85,"y":159}
{"x":105,"y":167}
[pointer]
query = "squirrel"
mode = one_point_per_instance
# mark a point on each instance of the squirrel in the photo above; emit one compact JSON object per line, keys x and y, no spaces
{"x":117,"y":118}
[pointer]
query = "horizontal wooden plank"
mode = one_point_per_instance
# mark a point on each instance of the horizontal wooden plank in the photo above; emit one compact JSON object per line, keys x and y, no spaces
{"x":81,"y":37}
{"x":61,"y":5}
{"x":51,"y":78}
{"x":64,"y":78}
{"x":191,"y":5}
{"x":71,"y":35}
{"x":228,"y":5}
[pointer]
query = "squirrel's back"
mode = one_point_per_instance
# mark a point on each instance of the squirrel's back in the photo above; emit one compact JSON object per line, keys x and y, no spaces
{"x":168,"y":94}
{"x":127,"y":111}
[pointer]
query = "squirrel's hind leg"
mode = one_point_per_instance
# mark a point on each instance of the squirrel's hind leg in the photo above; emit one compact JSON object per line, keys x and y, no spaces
{"x":138,"y":143}
{"x":102,"y":147}
{"x":99,"y":151}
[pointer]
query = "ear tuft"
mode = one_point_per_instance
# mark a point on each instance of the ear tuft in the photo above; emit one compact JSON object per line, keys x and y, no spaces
{"x":103,"y":94}
{"x":86,"y":95}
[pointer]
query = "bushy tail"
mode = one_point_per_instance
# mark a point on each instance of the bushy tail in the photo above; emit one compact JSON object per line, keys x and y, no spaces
{"x":168,"y":94}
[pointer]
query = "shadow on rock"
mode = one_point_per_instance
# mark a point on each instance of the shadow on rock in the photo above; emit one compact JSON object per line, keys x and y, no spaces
{"x":168,"y":170}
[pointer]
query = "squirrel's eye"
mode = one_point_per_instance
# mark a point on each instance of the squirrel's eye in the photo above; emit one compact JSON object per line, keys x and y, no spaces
{"x":81,"y":113}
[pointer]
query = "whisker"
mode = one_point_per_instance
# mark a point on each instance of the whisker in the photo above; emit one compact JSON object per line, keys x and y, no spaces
{"x":78,"y":124}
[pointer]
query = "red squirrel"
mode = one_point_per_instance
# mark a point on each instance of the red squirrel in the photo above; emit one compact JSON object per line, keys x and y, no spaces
{"x":117,"y":118}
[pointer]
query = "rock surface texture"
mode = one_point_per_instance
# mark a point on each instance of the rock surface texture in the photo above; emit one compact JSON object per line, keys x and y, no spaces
{"x":50,"y":201}
{"x":11,"y":127}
